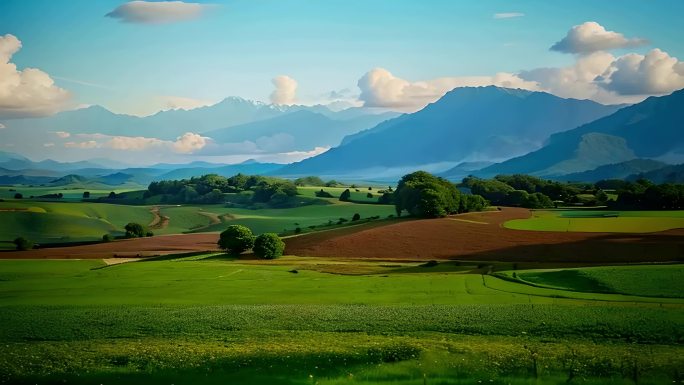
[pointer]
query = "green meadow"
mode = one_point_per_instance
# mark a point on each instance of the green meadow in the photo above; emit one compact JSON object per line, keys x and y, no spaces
{"x":307,"y":320}
{"x":600,"y":221}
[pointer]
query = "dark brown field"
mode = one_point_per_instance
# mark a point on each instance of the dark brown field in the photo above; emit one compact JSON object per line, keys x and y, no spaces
{"x":474,"y":236}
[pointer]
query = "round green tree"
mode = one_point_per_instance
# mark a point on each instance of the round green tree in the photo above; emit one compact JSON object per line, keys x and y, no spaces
{"x":134,"y":230}
{"x":236,"y":239}
{"x":23,"y":244}
{"x":268,"y":246}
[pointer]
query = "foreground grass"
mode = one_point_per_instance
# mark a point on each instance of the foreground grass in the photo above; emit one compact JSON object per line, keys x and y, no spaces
{"x":208,"y":319}
{"x":600,"y":221}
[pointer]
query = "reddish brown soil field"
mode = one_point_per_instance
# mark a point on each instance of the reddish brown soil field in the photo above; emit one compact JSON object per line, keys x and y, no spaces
{"x":472,"y":236}
{"x":142,"y":247}
{"x":480,"y":236}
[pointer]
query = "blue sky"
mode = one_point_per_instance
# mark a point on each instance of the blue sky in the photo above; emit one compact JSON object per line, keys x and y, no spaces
{"x":237,"y":47}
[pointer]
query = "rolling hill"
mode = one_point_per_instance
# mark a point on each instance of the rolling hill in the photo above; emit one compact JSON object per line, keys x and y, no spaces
{"x":615,"y":171}
{"x":467,"y":124}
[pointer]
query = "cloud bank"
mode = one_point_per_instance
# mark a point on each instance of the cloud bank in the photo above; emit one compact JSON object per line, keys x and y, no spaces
{"x":157,"y":12}
{"x":29,"y":92}
{"x":187,"y":143}
{"x":508,"y":15}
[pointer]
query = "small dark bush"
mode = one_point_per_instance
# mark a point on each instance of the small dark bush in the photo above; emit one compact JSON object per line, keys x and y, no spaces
{"x":268,"y":246}
{"x":23,"y":244}
{"x":356,"y":217}
{"x":298,"y":230}
{"x":369,"y":195}
{"x":18,"y":196}
{"x":149,"y":234}
{"x":431,"y":263}
{"x":107,"y":238}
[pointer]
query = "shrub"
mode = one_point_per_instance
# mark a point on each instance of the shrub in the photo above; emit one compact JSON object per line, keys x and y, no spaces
{"x":134,"y":230}
{"x":86,"y":194}
{"x":107,"y":238}
{"x":369,"y":195}
{"x":112,"y":195}
{"x":346,"y":194}
{"x":356,"y":217}
{"x":324,"y":194}
{"x":18,"y":196}
{"x":298,"y":230}
{"x":149,"y":234}
{"x":268,"y":246}
{"x":236,"y":239}
{"x":23,"y":244}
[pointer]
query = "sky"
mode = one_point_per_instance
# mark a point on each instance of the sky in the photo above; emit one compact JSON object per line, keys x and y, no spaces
{"x":141,"y":57}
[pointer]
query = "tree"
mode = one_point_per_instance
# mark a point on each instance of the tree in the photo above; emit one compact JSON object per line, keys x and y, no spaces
{"x":309,"y":181}
{"x":134,"y":230}
{"x":369,"y":195}
{"x":268,"y":246}
{"x":86,"y":194}
{"x":18,"y":196}
{"x":356,"y":217}
{"x":106,"y":238}
{"x":425,"y":195}
{"x":23,"y":244}
{"x":324,"y":194}
{"x":112,"y":195}
{"x":236,"y":239}
{"x":345,"y":196}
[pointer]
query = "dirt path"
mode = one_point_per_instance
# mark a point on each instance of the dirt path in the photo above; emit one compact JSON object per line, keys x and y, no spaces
{"x":158,"y":221}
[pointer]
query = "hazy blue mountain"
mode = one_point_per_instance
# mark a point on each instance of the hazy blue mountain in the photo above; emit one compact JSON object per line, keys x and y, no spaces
{"x":297,"y":131}
{"x":615,"y":171}
{"x":650,"y":129}
{"x":69,"y":179}
{"x":26,"y":164}
{"x":10,"y":156}
{"x":467,"y":124}
{"x":463,"y":169}
{"x":8,"y":180}
{"x":667,"y":174}
{"x":229,"y":170}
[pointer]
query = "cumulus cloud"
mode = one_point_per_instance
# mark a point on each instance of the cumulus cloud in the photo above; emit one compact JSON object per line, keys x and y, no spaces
{"x":157,"y":12}
{"x":591,"y":37}
{"x":185,"y":144}
{"x":62,"y":134}
{"x":28,"y":92}
{"x":655,"y":73}
{"x":285,"y":90}
{"x":2,"y":126}
{"x":380,"y":88}
{"x":189,"y":142}
{"x":508,"y":15}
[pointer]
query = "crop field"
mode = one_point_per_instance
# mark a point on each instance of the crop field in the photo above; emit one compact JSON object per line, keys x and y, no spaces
{"x":280,"y":322}
{"x":600,"y":221}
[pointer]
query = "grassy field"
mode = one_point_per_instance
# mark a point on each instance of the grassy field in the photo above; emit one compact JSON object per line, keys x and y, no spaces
{"x":228,"y":320}
{"x":655,"y":281}
{"x":70,"y":192}
{"x":358,"y":196}
{"x":600,"y":221}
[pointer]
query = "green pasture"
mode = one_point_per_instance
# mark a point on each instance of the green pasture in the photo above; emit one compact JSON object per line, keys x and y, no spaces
{"x":70,"y":192}
{"x":599,"y":221}
{"x":644,"y":280}
{"x":215,"y":319}
{"x":66,"y":222}
{"x":357,"y":196}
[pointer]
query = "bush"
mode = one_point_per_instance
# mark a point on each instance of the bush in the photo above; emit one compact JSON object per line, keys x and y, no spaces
{"x":18,"y":196}
{"x":346,"y":194}
{"x":324,"y":194}
{"x":268,"y":246}
{"x":149,"y":234}
{"x":111,"y":195}
{"x":369,"y":195}
{"x":356,"y":217}
{"x":297,"y":230}
{"x":134,"y":230}
{"x":107,"y":238}
{"x":23,"y":244}
{"x":236,"y":239}
{"x":86,"y":194}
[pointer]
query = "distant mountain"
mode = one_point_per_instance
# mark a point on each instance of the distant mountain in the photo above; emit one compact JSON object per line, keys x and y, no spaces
{"x":650,"y":129}
{"x":462,"y":170}
{"x":615,"y":171}
{"x":22,"y":163}
{"x":467,"y":124}
{"x":230,"y":170}
{"x":68,"y":179}
{"x":297,"y":131}
{"x":667,"y":174}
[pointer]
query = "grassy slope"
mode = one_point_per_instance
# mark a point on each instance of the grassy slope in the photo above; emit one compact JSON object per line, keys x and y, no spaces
{"x":593,"y":221}
{"x":655,"y":281}
{"x":168,"y":316}
{"x":71,"y":192}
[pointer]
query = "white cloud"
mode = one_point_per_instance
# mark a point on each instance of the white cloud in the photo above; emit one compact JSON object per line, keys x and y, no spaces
{"x":82,"y":145}
{"x":62,"y":134}
{"x":2,"y":126}
{"x":28,"y":92}
{"x":380,"y":88}
{"x":655,"y":73}
{"x":293,"y":156}
{"x":285,"y":90}
{"x":508,"y":15}
{"x":157,"y":12}
{"x":591,"y":37}
{"x":185,"y":144}
{"x":183,"y":103}
{"x":189,"y":142}
{"x":48,"y":145}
